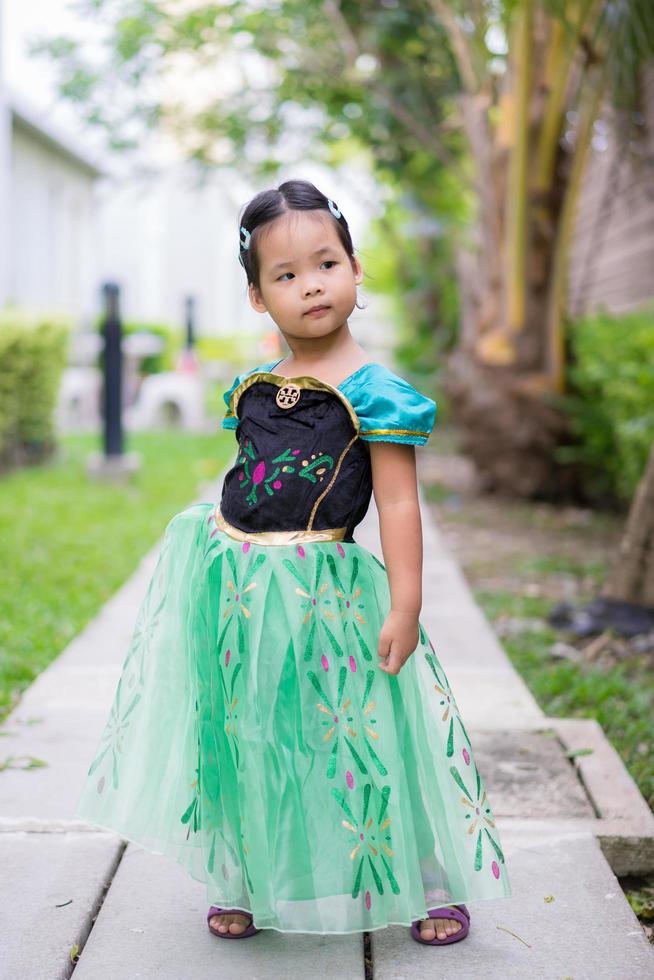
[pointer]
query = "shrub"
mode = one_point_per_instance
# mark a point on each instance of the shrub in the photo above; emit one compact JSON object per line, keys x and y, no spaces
{"x":610,"y":401}
{"x":33,"y":353}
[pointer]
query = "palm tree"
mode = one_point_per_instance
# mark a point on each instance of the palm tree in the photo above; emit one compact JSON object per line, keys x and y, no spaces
{"x":529,"y":136}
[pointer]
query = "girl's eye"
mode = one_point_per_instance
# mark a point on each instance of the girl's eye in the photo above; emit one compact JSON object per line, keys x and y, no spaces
{"x":326,"y":262}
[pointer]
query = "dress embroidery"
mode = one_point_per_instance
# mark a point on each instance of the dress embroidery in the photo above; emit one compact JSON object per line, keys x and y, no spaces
{"x":312,"y":469}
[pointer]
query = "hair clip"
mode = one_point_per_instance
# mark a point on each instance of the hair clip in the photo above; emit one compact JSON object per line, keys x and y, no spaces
{"x":332,"y":207}
{"x":245,"y":244}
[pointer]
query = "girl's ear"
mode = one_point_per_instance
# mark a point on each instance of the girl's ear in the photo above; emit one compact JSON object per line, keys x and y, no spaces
{"x":256,"y":301}
{"x":357,"y":268}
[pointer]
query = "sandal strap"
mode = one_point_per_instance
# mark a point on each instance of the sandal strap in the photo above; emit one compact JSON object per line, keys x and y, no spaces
{"x":456,"y":912}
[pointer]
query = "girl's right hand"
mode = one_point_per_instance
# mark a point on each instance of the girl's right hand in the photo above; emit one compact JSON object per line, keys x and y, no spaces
{"x":398,"y":639}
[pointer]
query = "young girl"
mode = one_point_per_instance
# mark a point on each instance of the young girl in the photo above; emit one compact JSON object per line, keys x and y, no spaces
{"x":282,"y":726}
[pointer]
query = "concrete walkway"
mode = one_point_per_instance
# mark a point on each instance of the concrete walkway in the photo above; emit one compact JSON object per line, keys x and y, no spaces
{"x":566,"y":821}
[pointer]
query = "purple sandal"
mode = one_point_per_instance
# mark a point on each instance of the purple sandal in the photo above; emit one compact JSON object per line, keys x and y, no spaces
{"x":457,"y":912}
{"x":249,"y":930}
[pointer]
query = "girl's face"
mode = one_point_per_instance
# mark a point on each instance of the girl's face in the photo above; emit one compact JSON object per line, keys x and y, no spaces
{"x":303,"y":265}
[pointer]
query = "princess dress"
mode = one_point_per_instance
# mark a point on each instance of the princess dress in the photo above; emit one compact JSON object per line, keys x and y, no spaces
{"x":253,"y":737}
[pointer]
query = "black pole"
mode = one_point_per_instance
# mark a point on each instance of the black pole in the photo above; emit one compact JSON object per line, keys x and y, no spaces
{"x":113,"y":372}
{"x":190,"y":322}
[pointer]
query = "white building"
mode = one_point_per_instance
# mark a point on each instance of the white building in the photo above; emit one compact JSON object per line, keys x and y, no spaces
{"x":66,"y":226}
{"x":48,"y":226}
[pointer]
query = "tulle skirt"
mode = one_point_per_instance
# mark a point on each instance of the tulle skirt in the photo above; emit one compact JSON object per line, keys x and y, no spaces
{"x":254,"y":739}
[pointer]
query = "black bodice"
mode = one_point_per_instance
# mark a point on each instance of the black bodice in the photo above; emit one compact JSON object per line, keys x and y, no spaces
{"x":301,"y":464}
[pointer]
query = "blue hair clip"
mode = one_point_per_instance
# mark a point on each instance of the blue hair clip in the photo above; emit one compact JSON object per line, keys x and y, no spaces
{"x":245,"y":243}
{"x":332,"y":207}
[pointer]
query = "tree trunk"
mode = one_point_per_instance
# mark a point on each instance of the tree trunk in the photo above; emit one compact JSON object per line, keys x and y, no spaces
{"x":510,"y":366}
{"x":509,"y":430}
{"x":632,"y":577}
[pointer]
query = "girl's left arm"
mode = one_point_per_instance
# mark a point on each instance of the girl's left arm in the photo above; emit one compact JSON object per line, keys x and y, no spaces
{"x":395,"y":488}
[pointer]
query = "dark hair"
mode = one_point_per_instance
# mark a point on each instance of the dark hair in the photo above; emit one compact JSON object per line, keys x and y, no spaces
{"x":292,"y":195}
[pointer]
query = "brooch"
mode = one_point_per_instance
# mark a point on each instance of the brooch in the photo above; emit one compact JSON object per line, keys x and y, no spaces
{"x":288,"y":395}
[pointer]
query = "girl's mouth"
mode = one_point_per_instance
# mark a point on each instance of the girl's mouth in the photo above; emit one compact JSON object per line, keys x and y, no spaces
{"x":317,"y":311}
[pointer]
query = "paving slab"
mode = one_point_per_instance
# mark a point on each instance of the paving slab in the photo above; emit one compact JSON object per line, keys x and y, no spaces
{"x":50,"y":887}
{"x":530,"y":775}
{"x":153,"y":924}
{"x":567,"y":919}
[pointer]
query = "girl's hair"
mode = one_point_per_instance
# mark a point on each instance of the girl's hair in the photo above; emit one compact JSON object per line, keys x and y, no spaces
{"x":292,"y":195}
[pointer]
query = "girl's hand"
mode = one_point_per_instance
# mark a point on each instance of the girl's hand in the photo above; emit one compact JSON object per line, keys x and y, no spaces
{"x":398,"y":639}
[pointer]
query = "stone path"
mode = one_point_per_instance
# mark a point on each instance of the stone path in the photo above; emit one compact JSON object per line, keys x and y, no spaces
{"x":138,"y":915}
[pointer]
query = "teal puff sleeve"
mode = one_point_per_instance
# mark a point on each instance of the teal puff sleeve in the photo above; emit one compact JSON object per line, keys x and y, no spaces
{"x":392,"y":410}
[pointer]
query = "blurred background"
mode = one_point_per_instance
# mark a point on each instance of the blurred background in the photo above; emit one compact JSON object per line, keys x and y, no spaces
{"x":495,"y":162}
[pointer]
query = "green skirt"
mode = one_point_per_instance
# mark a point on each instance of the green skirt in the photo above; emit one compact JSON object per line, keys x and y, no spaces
{"x":254,"y":739}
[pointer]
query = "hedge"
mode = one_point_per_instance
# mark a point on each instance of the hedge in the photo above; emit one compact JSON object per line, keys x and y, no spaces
{"x":33,"y":354}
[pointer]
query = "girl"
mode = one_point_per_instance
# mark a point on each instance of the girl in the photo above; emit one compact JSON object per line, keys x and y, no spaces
{"x":282,"y":725}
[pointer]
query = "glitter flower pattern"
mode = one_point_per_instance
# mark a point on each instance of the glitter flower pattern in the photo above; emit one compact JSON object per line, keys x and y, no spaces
{"x":479,"y":816}
{"x":371,"y":839}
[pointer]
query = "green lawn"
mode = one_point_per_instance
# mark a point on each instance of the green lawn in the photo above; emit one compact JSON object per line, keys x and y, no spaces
{"x":67,"y":543}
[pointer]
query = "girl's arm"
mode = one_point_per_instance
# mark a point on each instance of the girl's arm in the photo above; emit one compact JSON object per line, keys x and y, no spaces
{"x":395,"y":488}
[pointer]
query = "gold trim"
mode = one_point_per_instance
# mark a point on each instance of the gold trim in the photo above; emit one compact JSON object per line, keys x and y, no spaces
{"x":331,"y":482}
{"x":394,"y":432}
{"x":302,"y":381}
{"x":278,"y":537}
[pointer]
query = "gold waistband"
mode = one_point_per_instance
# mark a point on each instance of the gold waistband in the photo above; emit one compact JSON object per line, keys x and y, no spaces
{"x":278,"y":537}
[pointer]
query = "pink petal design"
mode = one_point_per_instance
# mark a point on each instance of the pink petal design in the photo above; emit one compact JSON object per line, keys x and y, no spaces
{"x":259,"y":472}
{"x":368,"y":902}
{"x":241,"y":476}
{"x":353,"y":664}
{"x":227,"y":656}
{"x":295,"y":452}
{"x":214,"y":533}
{"x":349,"y":779}
{"x":325,"y":662}
{"x":340,"y":549}
{"x":246,"y":546}
{"x":210,"y":518}
{"x":466,"y":756}
{"x":300,"y":551}
{"x":277,"y":484}
{"x":495,"y":868}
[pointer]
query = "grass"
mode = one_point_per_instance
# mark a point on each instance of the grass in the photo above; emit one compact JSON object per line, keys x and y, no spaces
{"x":563,"y":564}
{"x":67,"y":543}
